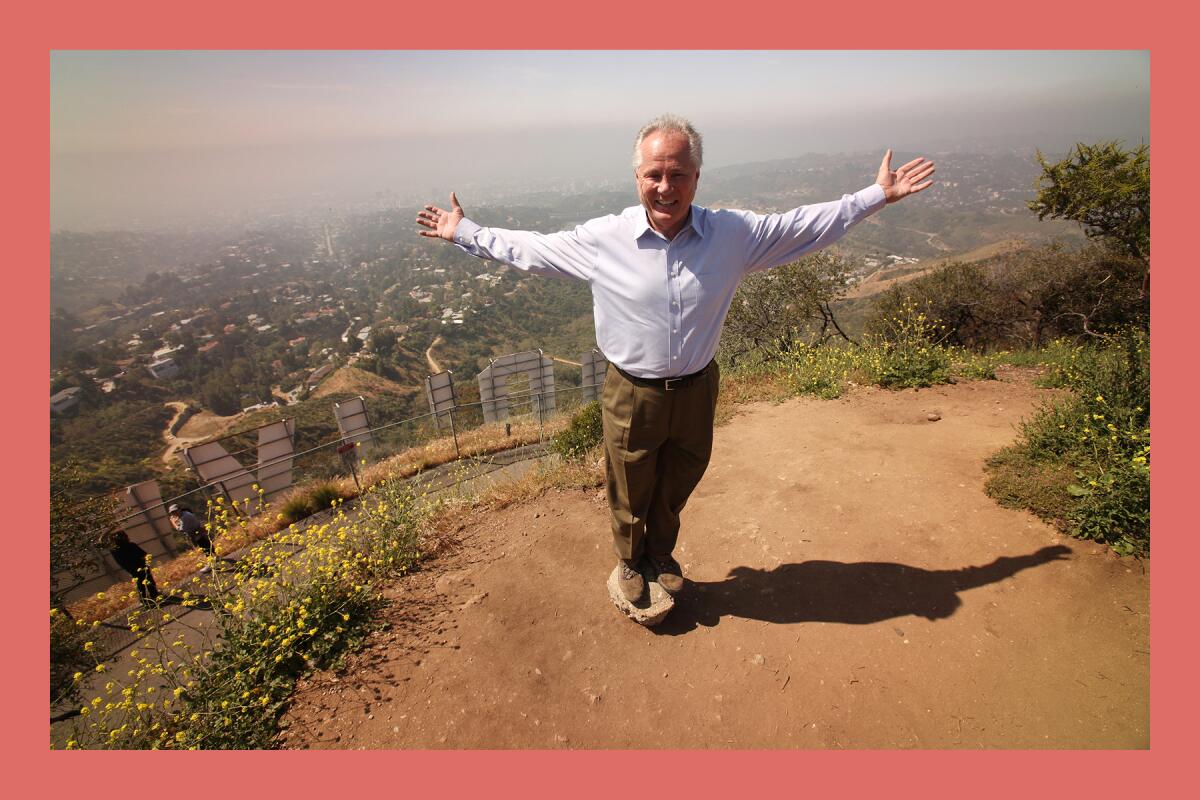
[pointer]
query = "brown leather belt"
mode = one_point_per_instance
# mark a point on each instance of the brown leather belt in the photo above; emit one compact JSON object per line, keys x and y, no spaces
{"x":669,"y":384}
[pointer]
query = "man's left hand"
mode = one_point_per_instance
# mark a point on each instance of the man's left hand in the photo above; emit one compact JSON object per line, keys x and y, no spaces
{"x":906,"y":180}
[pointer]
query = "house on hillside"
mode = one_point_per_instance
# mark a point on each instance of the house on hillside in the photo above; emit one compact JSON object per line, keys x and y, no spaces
{"x":64,"y":401}
{"x":163,"y":368}
{"x":318,"y":375}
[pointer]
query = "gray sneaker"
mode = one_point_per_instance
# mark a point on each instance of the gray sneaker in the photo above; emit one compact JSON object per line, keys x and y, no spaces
{"x":629,"y":580}
{"x":669,"y":573}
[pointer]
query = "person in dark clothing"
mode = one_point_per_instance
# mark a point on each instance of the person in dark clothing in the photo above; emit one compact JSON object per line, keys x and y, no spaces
{"x":186,"y":522}
{"x":132,"y":558}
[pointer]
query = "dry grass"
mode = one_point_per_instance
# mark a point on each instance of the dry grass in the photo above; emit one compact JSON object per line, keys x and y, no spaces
{"x":741,"y":388}
{"x":454,"y":514}
{"x":481,"y":441}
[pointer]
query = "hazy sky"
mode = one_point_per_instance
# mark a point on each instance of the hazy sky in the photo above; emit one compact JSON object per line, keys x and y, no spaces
{"x":150,"y":138}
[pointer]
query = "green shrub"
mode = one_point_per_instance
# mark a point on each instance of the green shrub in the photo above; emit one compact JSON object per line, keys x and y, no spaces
{"x":1017,"y":480}
{"x":821,"y":371}
{"x":297,"y":507}
{"x":1025,"y":297}
{"x":976,"y":366}
{"x":1101,"y":434}
{"x":1051,"y":432}
{"x":68,"y":656}
{"x":585,"y":431}
{"x":310,"y":500}
{"x":1114,"y":506}
{"x":905,"y":350}
{"x":323,"y":496}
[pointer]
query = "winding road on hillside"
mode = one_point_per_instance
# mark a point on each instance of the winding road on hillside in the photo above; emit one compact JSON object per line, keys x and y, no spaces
{"x":932,"y":239}
{"x":850,"y":585}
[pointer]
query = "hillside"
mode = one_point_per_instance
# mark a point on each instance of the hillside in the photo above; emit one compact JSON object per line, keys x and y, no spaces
{"x":353,"y":381}
{"x":883,"y":279}
{"x":315,"y":424}
{"x":856,"y":308}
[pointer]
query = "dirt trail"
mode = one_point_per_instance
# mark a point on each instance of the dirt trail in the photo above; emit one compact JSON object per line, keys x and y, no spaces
{"x":434,"y":367}
{"x":850,"y":586}
{"x":199,"y":427}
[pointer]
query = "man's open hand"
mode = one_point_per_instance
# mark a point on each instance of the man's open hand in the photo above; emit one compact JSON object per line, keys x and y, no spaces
{"x":442,"y":223}
{"x":906,"y":180}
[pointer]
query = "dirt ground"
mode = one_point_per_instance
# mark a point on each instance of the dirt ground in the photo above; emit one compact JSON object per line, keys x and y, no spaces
{"x":850,"y":586}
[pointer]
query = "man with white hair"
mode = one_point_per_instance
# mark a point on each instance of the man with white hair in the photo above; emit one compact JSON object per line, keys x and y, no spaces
{"x":662,"y":276}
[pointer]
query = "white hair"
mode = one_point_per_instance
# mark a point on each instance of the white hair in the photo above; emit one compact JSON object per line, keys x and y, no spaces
{"x":673,"y":124}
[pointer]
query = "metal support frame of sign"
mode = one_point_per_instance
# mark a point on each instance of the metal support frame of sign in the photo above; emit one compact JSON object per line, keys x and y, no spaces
{"x":100,"y":573}
{"x":149,"y":525}
{"x":214,"y":465}
{"x":275,"y":448}
{"x":493,"y":383}
{"x":353,"y":423}
{"x":595,"y":367}
{"x":439,"y":391}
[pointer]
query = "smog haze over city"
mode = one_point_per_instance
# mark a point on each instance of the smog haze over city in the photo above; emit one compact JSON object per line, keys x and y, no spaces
{"x":177,"y":140}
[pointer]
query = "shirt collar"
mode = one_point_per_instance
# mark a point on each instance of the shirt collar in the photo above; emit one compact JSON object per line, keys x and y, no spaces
{"x":641,"y":225}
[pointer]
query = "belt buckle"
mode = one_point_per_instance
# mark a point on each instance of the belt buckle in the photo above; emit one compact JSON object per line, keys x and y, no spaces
{"x":667,"y":384}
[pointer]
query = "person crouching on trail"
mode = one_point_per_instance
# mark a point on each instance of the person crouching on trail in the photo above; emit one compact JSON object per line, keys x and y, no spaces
{"x":186,"y":522}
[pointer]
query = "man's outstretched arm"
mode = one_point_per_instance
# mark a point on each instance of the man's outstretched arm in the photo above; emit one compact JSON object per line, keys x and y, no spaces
{"x":570,"y":254}
{"x":775,"y":239}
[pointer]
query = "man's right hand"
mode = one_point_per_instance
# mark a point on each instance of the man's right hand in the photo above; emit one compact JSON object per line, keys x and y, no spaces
{"x":441,"y":223}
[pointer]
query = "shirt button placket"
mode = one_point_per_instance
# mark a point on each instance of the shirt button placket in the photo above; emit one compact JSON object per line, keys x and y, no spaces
{"x":676,"y":344}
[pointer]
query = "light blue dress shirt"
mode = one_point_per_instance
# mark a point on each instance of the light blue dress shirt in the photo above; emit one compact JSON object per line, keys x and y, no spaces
{"x":659,"y":305}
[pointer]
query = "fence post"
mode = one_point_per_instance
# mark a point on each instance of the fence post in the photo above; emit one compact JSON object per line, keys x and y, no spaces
{"x":454,"y":433}
{"x":349,"y":454}
{"x":541,"y":425}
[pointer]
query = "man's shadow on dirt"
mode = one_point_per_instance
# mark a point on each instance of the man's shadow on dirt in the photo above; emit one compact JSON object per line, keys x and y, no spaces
{"x":830,"y":591}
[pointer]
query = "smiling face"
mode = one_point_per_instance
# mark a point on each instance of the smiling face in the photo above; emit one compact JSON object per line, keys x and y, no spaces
{"x":666,"y":180}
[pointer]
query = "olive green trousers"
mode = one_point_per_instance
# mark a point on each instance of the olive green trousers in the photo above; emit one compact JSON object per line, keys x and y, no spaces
{"x":657,"y":443}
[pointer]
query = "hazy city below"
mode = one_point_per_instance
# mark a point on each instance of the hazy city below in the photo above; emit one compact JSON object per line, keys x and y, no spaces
{"x":101,"y":248}
{"x":253,"y":309}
